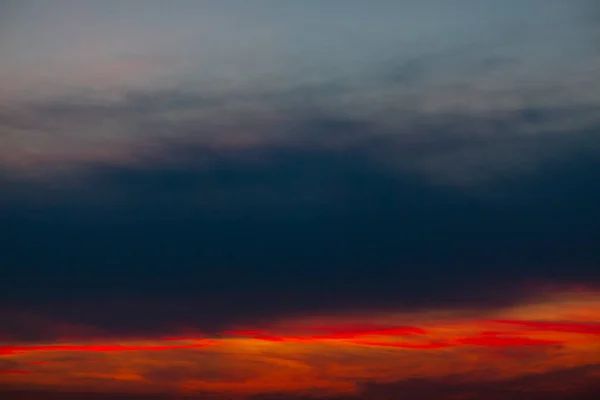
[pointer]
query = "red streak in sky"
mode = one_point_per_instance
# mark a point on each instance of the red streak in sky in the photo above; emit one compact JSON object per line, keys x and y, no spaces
{"x":329,"y":332}
{"x":270,"y":338}
{"x":95,"y":348}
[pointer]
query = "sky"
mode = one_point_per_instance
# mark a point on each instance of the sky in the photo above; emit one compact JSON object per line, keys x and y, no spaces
{"x":286,"y":200}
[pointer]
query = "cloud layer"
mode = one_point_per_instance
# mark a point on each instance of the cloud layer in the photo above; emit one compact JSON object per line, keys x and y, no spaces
{"x":444,"y":352}
{"x":459,"y":97}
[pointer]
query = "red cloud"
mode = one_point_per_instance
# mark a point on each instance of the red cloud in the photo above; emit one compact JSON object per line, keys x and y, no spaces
{"x":331,"y":332}
{"x":504,"y":341}
{"x":14,"y":371}
{"x":420,"y":346}
{"x":97,"y":348}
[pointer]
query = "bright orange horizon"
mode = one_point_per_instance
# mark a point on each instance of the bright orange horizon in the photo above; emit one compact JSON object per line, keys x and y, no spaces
{"x":324,"y":355}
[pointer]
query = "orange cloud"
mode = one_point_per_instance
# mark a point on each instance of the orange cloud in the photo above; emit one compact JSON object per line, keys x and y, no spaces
{"x":327,"y":354}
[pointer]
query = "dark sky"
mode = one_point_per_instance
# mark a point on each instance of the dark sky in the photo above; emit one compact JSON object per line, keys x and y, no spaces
{"x":201,"y":165}
{"x":316,"y":229}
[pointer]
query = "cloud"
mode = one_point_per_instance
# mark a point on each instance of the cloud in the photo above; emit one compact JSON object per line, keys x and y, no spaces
{"x":10,"y":367}
{"x":14,"y":372}
{"x":95,"y":348}
{"x":565,"y":384}
{"x":149,"y":129}
{"x":454,"y":110}
{"x":591,"y":329}
{"x":375,"y":240}
{"x":504,"y":341}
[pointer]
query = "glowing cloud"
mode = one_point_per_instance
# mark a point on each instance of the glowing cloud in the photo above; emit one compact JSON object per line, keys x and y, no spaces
{"x":332,"y":353}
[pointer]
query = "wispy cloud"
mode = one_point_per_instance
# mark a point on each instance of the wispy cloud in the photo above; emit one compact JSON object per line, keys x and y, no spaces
{"x":299,"y":354}
{"x":457,"y":110}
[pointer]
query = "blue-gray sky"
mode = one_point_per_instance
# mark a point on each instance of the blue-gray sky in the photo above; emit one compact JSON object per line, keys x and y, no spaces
{"x":114,"y":82}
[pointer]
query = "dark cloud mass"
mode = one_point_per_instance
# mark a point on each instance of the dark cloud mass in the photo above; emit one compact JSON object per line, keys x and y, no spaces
{"x":557,"y":385}
{"x":247,"y":233}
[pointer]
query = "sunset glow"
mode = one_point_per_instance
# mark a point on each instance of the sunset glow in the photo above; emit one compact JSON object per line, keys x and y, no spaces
{"x":330,"y":353}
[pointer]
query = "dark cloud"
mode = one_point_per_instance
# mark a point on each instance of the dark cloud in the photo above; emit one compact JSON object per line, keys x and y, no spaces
{"x":562,"y":384}
{"x":9,"y":365}
{"x":263,"y":233}
{"x":571,"y":383}
{"x":453,"y":145}
{"x":269,"y":201}
{"x":423,"y":71}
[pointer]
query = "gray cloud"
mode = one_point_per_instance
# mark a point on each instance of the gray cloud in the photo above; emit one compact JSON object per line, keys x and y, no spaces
{"x":476,"y":88}
{"x":450,"y":146}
